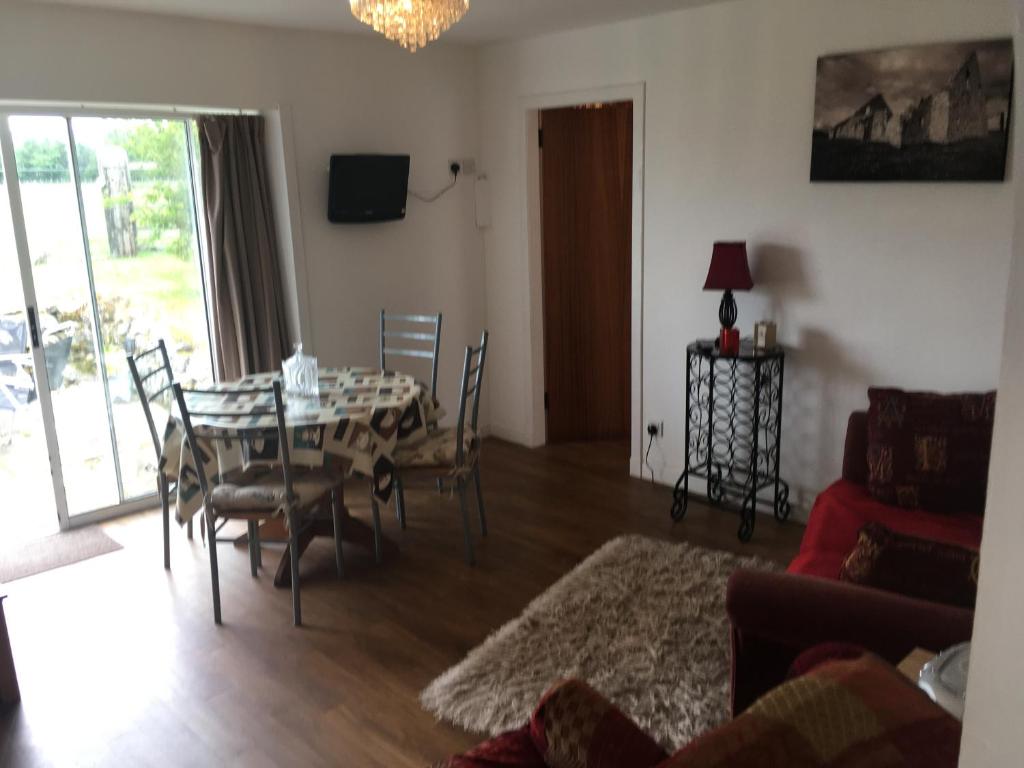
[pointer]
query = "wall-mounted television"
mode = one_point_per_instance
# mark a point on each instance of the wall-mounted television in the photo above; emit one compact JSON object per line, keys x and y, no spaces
{"x":367,"y":188}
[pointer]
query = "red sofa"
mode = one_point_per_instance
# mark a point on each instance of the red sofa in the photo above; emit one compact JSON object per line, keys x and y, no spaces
{"x":846,"y":506}
{"x":777,"y":616}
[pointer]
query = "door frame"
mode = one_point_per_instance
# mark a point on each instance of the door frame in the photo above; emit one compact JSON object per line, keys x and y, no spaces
{"x":532,"y":235}
{"x":8,"y":109}
{"x":28,"y":290}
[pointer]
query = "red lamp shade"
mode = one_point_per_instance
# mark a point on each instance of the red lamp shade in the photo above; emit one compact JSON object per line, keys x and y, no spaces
{"x":729,"y":270}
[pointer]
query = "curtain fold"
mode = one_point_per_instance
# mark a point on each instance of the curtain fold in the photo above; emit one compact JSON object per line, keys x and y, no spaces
{"x":243,"y":265}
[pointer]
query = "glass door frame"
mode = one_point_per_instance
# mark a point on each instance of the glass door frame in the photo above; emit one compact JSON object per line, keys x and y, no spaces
{"x":29,"y":290}
{"x":13,"y":183}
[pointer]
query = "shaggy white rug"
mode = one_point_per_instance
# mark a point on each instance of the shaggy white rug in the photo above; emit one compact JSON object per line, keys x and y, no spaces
{"x":642,"y":621}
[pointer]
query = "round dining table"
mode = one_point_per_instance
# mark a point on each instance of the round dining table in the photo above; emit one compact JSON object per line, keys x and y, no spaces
{"x":353,"y":426}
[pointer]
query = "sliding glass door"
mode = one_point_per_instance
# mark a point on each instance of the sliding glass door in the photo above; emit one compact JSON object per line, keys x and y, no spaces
{"x":24,"y":458}
{"x":68,"y":327}
{"x":108,"y":259}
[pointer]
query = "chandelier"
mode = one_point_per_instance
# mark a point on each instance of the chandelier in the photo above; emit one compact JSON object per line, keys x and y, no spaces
{"x":410,"y":23}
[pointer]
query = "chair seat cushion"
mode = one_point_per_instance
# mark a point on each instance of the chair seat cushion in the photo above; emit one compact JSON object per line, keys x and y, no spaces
{"x":268,"y":492}
{"x":438,"y":449}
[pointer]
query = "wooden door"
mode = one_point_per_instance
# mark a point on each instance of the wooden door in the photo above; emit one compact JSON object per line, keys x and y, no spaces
{"x":586,"y":208}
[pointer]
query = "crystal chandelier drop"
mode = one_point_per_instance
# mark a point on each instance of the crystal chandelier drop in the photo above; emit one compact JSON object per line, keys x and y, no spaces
{"x":410,"y":23}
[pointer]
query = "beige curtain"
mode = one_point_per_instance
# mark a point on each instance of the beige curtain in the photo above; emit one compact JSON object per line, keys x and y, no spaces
{"x":250,"y":334}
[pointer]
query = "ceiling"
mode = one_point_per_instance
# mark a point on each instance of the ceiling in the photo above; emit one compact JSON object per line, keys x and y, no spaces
{"x":486,"y":21}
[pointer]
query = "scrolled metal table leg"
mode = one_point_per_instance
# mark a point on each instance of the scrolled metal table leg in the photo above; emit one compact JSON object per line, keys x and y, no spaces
{"x":716,"y":490}
{"x":746,"y":529}
{"x":782,"y":506}
{"x":681,"y":497}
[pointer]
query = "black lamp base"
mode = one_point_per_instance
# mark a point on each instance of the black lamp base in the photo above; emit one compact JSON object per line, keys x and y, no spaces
{"x":727,"y":312}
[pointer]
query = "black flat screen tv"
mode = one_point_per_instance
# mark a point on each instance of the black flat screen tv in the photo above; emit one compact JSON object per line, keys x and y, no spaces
{"x":367,"y":188}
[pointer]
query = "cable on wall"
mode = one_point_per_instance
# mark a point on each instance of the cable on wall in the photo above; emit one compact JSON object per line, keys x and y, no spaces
{"x":455,"y":169}
{"x":652,"y":432}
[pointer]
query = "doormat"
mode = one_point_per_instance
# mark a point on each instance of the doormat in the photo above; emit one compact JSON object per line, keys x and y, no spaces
{"x":54,"y":552}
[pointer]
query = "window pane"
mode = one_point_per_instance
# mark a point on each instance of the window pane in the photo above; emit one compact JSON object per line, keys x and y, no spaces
{"x":65,"y":310}
{"x":140,"y":218}
{"x":28,"y":508}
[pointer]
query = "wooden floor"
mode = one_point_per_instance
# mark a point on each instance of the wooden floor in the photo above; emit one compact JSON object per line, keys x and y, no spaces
{"x":120,"y":662}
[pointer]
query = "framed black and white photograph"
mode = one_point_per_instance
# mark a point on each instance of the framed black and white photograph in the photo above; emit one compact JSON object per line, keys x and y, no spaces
{"x":917,"y":113}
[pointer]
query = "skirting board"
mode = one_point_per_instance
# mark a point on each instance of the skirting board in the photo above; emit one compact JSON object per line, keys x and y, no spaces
{"x":512,"y":435}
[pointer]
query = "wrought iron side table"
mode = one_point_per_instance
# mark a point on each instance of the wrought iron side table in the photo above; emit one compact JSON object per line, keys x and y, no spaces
{"x":734,"y":430}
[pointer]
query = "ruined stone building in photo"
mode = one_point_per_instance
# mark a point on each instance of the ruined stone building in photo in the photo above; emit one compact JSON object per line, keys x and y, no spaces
{"x":874,"y":122}
{"x":955,"y":113}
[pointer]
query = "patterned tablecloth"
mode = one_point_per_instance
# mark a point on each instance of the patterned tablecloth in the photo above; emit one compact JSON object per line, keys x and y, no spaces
{"x":354,"y":426}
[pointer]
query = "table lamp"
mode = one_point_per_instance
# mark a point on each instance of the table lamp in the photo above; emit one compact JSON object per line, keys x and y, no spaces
{"x":728,"y":272}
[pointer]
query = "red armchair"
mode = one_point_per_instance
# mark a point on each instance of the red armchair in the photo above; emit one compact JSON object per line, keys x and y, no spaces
{"x":816,"y":718}
{"x":775,"y":617}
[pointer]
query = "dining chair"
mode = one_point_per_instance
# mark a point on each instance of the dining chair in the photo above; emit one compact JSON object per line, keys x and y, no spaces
{"x":150,"y":387}
{"x":451,"y":453}
{"x":262,"y":495}
{"x":423,"y":340}
{"x":430,"y":332}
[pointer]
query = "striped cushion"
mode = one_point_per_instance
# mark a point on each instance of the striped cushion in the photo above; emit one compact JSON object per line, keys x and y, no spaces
{"x":268,"y":493}
{"x":438,"y":449}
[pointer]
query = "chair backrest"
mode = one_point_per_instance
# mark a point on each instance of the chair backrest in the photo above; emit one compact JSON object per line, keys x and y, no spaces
{"x":472,"y":378}
{"x":243,"y":435}
{"x":419,"y":336}
{"x":146,"y":368}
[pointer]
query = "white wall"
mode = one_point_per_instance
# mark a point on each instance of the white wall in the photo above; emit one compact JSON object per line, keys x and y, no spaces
{"x":334,"y":93}
{"x":887,"y":284}
{"x":871,"y":284}
{"x":995,"y":697}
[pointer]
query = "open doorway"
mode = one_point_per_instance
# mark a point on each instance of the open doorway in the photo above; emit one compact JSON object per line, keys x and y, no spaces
{"x":586,"y":214}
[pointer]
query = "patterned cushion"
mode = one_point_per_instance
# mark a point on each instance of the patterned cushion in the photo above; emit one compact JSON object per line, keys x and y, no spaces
{"x":930,"y":451}
{"x":437,"y":449}
{"x":576,"y":727}
{"x":930,"y":570}
{"x":514,"y":749}
{"x":268,"y":493}
{"x":823,"y":653}
{"x":860,"y":712}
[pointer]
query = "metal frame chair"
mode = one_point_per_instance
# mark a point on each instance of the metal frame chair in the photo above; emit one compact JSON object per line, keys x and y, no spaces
{"x":146,"y":397}
{"x":411,"y":338}
{"x":463,"y":464}
{"x":288,"y":498}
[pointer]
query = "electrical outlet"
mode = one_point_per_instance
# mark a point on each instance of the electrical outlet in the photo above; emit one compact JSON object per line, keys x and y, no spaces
{"x":656,"y":429}
{"x":467,"y":166}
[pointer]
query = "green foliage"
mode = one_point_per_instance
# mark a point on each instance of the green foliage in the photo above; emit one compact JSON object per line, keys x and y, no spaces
{"x":88,"y":166}
{"x":47,"y":161}
{"x":158,"y":156}
{"x":167,"y":216}
{"x":164,"y":215}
